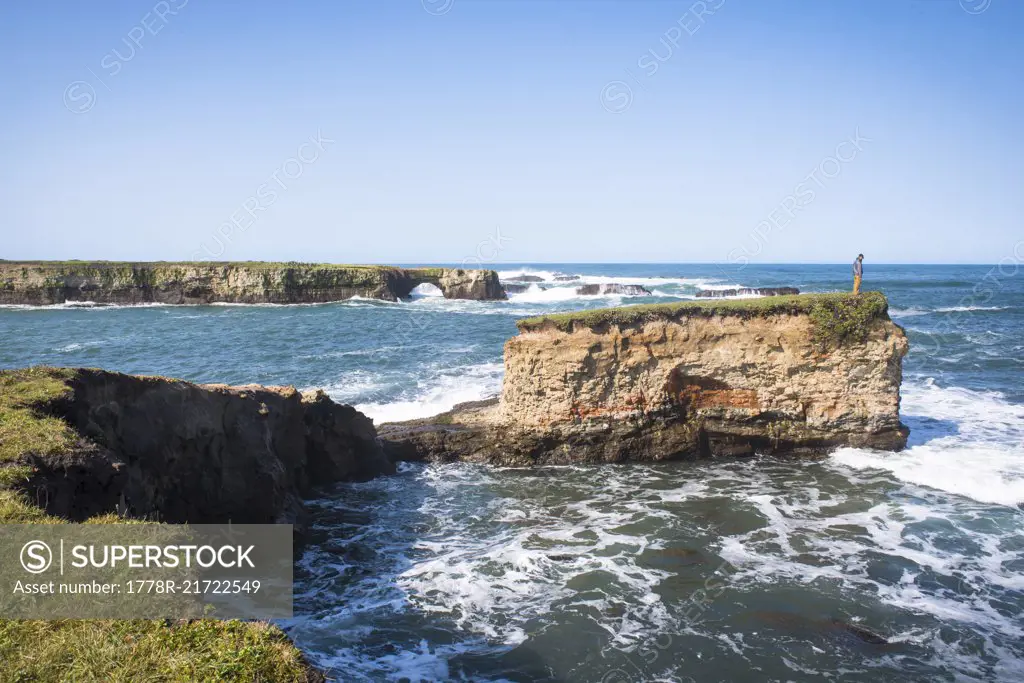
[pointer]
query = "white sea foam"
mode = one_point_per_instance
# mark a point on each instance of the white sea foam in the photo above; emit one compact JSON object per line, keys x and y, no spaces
{"x":549,"y":277}
{"x":471,"y":547}
{"x":78,"y":346}
{"x":82,"y":305}
{"x":950,"y":561}
{"x":426,"y":290}
{"x":557,"y":294}
{"x":907,"y":312}
{"x":957,"y":309}
{"x":439,"y":392}
{"x":971,"y":443}
{"x":546,"y":275}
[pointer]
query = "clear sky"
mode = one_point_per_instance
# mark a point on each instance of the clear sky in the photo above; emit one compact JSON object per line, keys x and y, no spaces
{"x":568,"y":130}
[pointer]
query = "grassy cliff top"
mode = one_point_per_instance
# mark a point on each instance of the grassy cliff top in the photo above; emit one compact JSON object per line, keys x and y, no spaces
{"x":258,"y":265}
{"x":836,"y":316}
{"x":104,"y":650}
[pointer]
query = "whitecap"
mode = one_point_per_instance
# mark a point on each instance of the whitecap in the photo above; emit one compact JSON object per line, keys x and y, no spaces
{"x":972,"y":444}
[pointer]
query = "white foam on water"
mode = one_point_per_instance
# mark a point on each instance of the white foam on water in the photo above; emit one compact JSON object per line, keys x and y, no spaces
{"x":545,"y":275}
{"x":536,"y":295}
{"x":82,"y":305}
{"x":477,"y":551}
{"x":950,"y":563}
{"x":439,"y":392}
{"x":958,"y":309}
{"x":549,"y":277}
{"x":907,"y":312}
{"x":699,"y":283}
{"x":426,"y":290}
{"x":971,"y":444}
{"x":78,"y":346}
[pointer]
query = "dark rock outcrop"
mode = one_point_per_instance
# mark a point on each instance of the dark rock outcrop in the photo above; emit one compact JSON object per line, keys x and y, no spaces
{"x":515,"y":288}
{"x":175,"y":451}
{"x":105,"y":282}
{"x":612,"y":288}
{"x":524,"y":278}
{"x":747,"y":291}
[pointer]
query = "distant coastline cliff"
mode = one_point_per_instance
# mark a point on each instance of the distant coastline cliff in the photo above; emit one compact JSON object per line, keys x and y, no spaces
{"x":803,"y":374}
{"x":55,"y":282}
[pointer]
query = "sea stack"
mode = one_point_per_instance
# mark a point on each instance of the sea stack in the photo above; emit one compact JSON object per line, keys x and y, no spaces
{"x":785,"y":374}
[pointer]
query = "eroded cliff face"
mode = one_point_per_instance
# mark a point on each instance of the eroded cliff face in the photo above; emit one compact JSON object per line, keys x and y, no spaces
{"x":175,"y":451}
{"x":651,"y":384}
{"x":43,"y":283}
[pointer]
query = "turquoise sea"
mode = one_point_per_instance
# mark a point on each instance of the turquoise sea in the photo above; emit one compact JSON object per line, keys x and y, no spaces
{"x":760,"y":569}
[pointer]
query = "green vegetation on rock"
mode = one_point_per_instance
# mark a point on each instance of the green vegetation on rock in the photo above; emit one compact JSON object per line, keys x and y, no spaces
{"x":24,"y":425}
{"x":104,"y":650}
{"x":846,"y":319}
{"x":837,"y":317}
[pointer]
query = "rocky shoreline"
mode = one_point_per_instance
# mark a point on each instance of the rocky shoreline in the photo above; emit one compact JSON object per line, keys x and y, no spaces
{"x":172,"y":451}
{"x":43,"y":283}
{"x":786,"y":374}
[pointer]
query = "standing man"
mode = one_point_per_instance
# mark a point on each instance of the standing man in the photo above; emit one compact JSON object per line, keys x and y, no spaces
{"x":858,"y":271}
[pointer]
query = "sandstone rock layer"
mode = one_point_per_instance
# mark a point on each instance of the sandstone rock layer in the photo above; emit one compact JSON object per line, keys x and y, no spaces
{"x":802,"y":374}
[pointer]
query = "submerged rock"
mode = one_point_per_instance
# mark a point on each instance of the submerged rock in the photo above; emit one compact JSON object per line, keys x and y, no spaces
{"x":804,"y":374}
{"x":612,"y":288}
{"x":747,"y":291}
{"x":861,"y":633}
{"x":566,"y":278}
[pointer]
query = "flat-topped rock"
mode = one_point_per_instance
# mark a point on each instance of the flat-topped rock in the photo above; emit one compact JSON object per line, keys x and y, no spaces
{"x":56,"y":282}
{"x":802,"y":374}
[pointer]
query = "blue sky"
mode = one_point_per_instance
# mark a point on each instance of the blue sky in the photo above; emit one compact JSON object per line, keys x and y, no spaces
{"x":568,"y":131}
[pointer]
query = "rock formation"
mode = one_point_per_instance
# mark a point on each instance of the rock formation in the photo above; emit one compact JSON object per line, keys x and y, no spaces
{"x":176,"y":451}
{"x":799,"y":374}
{"x":746,"y":291}
{"x":517,"y":288}
{"x":54,"y":282}
{"x":612,"y":288}
{"x":524,"y":278}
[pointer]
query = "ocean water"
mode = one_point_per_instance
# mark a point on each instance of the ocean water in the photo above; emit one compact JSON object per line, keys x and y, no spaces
{"x":761,"y":569}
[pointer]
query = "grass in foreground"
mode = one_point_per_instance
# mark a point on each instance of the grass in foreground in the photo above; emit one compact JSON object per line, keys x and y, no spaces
{"x":837,"y":317}
{"x":24,"y":426}
{"x":105,"y":650}
{"x":129,"y":651}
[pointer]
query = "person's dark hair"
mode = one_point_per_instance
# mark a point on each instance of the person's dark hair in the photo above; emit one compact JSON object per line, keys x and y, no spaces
{"x":860,"y":255}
